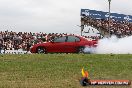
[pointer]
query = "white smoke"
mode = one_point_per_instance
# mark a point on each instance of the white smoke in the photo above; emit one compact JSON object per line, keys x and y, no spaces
{"x":114,"y":45}
{"x":89,"y":50}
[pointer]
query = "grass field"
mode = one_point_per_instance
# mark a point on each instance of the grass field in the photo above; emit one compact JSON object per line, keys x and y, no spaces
{"x":61,"y":70}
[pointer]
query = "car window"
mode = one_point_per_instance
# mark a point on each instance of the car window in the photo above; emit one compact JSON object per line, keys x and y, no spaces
{"x":61,"y":39}
{"x":73,"y":39}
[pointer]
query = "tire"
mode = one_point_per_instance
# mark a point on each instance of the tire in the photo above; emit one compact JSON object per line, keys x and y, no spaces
{"x":81,"y":50}
{"x":40,"y":50}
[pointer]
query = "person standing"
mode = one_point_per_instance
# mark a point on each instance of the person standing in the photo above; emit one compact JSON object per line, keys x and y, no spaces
{"x":1,"y":46}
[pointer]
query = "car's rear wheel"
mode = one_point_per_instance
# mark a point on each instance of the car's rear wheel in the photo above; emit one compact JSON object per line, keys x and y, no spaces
{"x":41,"y":50}
{"x":81,"y":49}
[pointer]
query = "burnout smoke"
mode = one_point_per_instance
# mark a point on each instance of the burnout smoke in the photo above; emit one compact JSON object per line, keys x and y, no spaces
{"x":114,"y":45}
{"x":89,"y":50}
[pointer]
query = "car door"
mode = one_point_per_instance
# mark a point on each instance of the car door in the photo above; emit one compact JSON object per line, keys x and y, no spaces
{"x":72,"y":43}
{"x":58,"y":45}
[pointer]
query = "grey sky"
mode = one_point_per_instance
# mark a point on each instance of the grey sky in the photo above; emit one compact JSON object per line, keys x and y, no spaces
{"x":52,"y":15}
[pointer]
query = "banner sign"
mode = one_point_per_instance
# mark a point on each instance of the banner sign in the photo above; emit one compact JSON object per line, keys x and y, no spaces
{"x":105,"y":15}
{"x":14,"y":52}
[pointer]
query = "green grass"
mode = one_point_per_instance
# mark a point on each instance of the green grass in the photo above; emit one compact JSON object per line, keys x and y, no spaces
{"x":62,"y":70}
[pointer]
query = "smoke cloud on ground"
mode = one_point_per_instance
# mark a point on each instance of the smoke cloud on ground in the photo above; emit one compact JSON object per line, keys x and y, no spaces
{"x":114,"y":45}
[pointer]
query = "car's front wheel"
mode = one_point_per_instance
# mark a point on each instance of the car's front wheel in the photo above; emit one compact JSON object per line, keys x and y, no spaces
{"x":81,"y":50}
{"x":41,"y":50}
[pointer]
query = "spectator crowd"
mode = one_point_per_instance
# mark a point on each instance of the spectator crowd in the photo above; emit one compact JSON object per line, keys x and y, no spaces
{"x":24,"y":40}
{"x":119,"y":28}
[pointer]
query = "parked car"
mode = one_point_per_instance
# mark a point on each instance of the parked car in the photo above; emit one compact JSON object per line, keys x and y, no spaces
{"x":65,"y":44}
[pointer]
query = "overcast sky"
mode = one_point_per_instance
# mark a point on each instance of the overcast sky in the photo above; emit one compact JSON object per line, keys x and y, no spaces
{"x":52,"y":15}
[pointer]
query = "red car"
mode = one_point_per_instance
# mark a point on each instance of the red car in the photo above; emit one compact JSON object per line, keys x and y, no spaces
{"x":65,"y":44}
